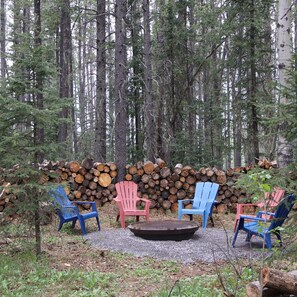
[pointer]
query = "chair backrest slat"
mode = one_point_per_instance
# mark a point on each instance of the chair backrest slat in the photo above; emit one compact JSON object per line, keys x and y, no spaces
{"x":282,"y":211}
{"x":204,"y":192}
{"x":127,"y":193}
{"x":60,"y":196}
{"x":62,"y":200}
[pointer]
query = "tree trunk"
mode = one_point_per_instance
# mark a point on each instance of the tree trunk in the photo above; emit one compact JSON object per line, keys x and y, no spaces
{"x":65,"y":66}
{"x":38,"y":131}
{"x":253,"y":150}
{"x":100,"y":125}
{"x":285,"y":148}
{"x":2,"y":41}
{"x":148,"y":79}
{"x":120,"y":88}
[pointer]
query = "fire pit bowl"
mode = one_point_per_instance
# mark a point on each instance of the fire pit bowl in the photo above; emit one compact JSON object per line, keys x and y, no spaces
{"x":165,"y":230}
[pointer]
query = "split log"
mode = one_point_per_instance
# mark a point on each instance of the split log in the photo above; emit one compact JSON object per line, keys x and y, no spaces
{"x":104,"y":180}
{"x":164,"y":183}
{"x":79,"y":178}
{"x":166,"y":204}
{"x":221,"y":177}
{"x":161,"y":163}
{"x":132,"y":170}
{"x":181,"y":194}
{"x":191,"y":180}
{"x":128,"y":177}
{"x":165,"y":172}
{"x":112,"y":166}
{"x":74,"y":166}
{"x":174,"y":207}
{"x":93,"y":185}
{"x":99,"y":166}
{"x":87,"y":163}
{"x":148,"y":167}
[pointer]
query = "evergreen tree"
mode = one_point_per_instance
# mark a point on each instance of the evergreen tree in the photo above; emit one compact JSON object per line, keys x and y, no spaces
{"x":29,"y":108}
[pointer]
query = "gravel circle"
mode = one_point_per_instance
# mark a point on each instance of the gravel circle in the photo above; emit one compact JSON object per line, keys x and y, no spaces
{"x":208,"y":245}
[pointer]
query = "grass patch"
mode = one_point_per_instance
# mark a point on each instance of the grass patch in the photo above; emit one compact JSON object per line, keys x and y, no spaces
{"x":211,"y":286}
{"x":23,"y":275}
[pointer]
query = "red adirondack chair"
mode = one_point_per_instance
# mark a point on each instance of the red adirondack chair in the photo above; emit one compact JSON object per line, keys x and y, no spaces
{"x":271,"y":200}
{"x":127,"y":202}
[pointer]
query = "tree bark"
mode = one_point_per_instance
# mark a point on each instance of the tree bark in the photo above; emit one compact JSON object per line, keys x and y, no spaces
{"x":285,"y":148}
{"x":120,"y":88}
{"x":65,"y":66}
{"x":148,"y":80}
{"x":3,"y":64}
{"x":282,"y":281}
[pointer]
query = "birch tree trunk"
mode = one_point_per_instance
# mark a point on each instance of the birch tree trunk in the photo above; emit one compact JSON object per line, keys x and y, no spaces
{"x":285,"y":149}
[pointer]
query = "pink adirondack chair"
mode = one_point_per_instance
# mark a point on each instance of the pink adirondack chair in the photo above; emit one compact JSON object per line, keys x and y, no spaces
{"x":127,"y":202}
{"x":271,"y":200}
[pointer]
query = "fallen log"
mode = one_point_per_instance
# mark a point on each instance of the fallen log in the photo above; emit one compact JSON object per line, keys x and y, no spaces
{"x":255,"y":289}
{"x":275,"y":283}
{"x":279,"y":280}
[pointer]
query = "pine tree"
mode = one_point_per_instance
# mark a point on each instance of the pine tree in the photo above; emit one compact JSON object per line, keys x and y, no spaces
{"x":29,"y":108}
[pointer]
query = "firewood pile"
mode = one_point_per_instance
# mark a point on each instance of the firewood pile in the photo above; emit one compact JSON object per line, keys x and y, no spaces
{"x":164,"y":186}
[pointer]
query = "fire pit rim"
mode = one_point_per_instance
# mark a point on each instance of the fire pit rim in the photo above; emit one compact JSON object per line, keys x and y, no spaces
{"x":164,"y":230}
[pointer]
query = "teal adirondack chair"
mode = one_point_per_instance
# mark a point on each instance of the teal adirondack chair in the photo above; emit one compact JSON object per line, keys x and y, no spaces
{"x":202,"y":204}
{"x":68,"y":212}
{"x":259,"y":227}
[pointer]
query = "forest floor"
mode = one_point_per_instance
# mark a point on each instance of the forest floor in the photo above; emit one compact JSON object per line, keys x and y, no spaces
{"x":123,"y":274}
{"x":135,"y":276}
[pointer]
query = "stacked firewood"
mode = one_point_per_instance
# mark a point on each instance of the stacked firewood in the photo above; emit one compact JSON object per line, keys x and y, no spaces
{"x":88,"y":180}
{"x":164,"y":186}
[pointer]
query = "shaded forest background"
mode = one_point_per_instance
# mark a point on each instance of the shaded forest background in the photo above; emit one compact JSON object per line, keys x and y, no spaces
{"x":201,"y":83}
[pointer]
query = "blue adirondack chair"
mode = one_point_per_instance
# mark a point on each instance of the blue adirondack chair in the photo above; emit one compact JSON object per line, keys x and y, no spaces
{"x":202,"y":204}
{"x":68,"y":212}
{"x":258,"y":227}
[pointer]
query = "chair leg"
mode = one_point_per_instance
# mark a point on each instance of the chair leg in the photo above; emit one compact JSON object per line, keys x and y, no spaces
{"x":98,"y":223}
{"x":268,"y":241}
{"x":235,"y":224}
{"x":73,"y":223}
{"x":239,"y":226}
{"x":204,"y":221}
{"x":60,"y":226}
{"x":248,"y":236}
{"x":83,"y":226}
{"x":277,"y":233}
{"x":123,"y":225}
{"x":179,"y":215}
{"x":235,"y":236}
{"x":211,"y":220}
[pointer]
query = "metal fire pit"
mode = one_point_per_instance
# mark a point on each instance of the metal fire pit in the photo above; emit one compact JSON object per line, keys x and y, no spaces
{"x":165,"y":230}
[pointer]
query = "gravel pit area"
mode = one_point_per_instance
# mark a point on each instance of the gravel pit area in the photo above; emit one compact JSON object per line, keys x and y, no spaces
{"x":209,"y":245}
